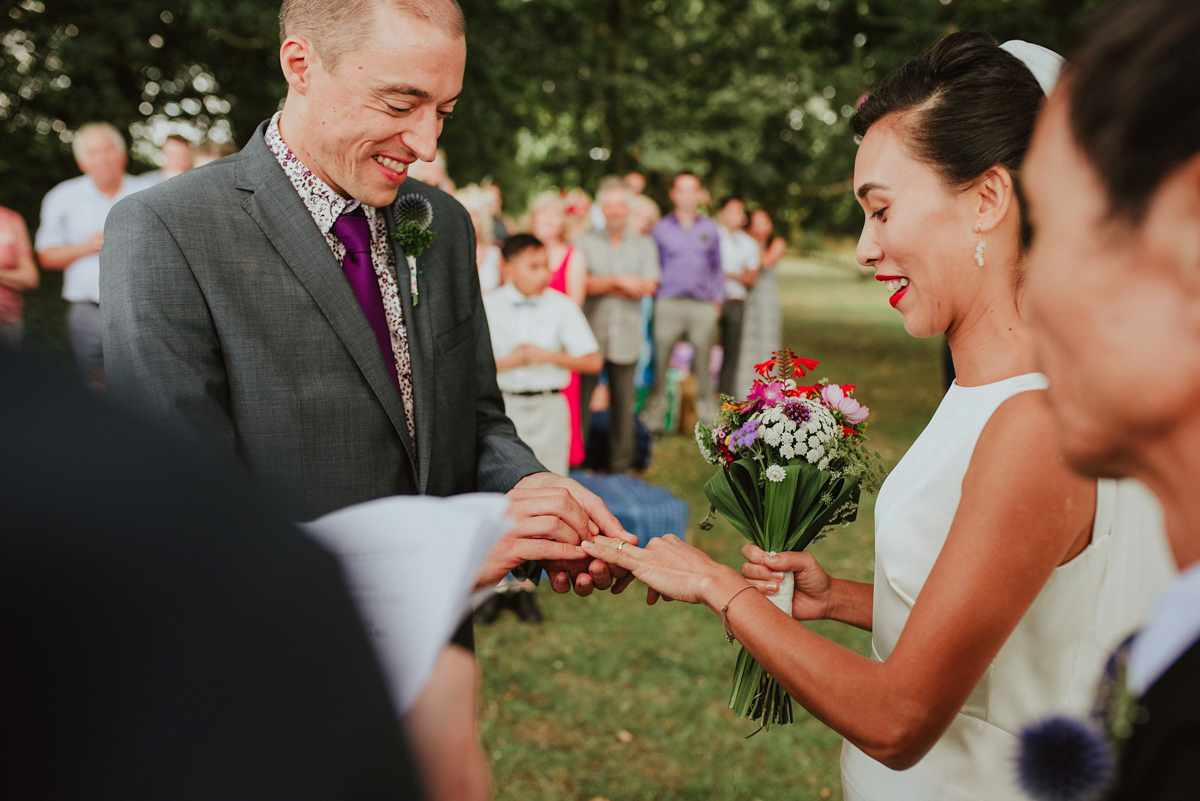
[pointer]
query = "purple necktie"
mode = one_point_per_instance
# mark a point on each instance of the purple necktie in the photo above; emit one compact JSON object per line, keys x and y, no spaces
{"x":352,"y":229}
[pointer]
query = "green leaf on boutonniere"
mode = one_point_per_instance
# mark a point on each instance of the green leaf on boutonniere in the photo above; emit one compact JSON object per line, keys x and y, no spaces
{"x":413,"y":238}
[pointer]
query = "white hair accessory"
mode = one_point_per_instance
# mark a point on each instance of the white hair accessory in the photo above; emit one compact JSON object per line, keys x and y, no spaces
{"x":1043,"y":62}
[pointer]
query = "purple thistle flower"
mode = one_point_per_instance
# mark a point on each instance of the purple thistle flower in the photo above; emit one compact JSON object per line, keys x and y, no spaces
{"x":796,"y":411}
{"x":1063,"y":759}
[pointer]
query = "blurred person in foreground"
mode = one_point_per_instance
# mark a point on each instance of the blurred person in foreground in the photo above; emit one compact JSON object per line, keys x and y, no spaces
{"x":71,"y":234}
{"x":622,"y":267}
{"x":1114,"y":189}
{"x":740,"y":261}
{"x":166,"y":634}
{"x":301,"y":340}
{"x":688,"y":301}
{"x":1002,"y":577}
{"x":18,"y":272}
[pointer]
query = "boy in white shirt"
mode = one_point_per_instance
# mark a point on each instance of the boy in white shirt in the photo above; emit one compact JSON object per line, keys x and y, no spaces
{"x":539,"y":336}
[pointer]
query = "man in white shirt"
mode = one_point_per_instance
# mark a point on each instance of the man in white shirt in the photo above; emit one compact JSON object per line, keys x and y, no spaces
{"x":72,"y":233}
{"x":740,"y":261}
{"x":539,"y":336}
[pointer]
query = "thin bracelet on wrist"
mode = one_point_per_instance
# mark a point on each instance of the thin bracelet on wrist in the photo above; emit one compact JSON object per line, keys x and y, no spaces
{"x":725,"y":613}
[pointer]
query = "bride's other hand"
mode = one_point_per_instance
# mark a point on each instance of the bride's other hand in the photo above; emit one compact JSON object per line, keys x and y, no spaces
{"x":812,"y":597}
{"x":671,"y":568}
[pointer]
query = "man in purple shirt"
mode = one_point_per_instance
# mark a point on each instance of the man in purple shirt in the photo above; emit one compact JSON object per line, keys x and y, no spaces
{"x":689,"y":297}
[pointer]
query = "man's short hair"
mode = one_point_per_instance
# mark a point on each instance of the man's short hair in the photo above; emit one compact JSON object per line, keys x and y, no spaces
{"x":519,"y":243}
{"x":105,"y":129}
{"x":335,"y":27}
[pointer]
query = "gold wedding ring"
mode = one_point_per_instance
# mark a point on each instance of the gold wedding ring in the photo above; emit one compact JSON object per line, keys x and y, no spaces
{"x":620,"y":545}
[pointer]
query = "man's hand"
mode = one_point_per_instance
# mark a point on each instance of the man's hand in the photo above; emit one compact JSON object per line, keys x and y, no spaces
{"x":549,"y":525}
{"x":580,"y":572}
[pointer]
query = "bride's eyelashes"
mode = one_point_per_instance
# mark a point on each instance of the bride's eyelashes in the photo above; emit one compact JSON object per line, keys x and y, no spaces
{"x":880,"y":215}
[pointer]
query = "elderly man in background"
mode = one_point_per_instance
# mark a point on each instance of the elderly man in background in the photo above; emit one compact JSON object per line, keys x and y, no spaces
{"x":72,"y":232}
{"x":18,"y":272}
{"x":689,"y":297}
{"x":623,"y":268}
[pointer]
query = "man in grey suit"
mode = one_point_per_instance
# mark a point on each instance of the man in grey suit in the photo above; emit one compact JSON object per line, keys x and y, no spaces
{"x":260,"y":304}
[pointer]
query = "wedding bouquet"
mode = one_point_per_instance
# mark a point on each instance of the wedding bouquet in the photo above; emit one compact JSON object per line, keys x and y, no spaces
{"x":793,"y":463}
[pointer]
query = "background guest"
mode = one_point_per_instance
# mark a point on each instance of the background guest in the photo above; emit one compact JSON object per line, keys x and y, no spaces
{"x":739,"y":260}
{"x":478,"y":203}
{"x":622,"y":269}
{"x":209,"y":151}
{"x":72,"y":232}
{"x":688,"y":299}
{"x":762,"y":330}
{"x":644,"y":214}
{"x":578,"y":212}
{"x":635,"y":182}
{"x":18,"y":272}
{"x":501,"y":225}
{"x":435,"y":172}
{"x":177,"y":158}
{"x":548,"y":222}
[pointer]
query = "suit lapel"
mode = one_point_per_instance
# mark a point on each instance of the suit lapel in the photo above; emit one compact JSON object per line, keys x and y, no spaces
{"x":283,"y":217}
{"x":420,"y":348}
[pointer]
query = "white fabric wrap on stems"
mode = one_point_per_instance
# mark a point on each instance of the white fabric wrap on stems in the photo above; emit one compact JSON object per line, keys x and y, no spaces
{"x":783,"y":596}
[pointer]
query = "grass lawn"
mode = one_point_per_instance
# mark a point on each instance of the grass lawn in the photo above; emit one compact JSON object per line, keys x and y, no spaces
{"x":611,"y":699}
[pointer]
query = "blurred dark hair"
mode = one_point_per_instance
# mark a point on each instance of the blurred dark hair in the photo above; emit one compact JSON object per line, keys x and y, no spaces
{"x":517,"y":243}
{"x":1135,"y":97}
{"x":972,"y":107}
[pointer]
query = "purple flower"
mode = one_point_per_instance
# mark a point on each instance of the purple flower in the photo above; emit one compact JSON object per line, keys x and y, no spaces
{"x":796,"y":411}
{"x":745,"y":436}
{"x":851,"y":410}
{"x":1063,"y":759}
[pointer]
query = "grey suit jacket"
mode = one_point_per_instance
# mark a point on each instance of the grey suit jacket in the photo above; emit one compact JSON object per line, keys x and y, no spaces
{"x":226,"y":313}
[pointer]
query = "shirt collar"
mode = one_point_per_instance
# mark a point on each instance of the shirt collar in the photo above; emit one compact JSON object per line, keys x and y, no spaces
{"x":324,"y":204}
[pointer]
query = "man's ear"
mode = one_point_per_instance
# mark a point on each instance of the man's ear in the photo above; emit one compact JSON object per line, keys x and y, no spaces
{"x":993,"y":195}
{"x":297,"y":59}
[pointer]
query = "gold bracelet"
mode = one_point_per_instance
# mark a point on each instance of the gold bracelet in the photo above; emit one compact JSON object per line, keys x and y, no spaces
{"x":725,"y":613}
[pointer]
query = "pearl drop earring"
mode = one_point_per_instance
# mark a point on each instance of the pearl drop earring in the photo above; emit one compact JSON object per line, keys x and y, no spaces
{"x":979,"y":252}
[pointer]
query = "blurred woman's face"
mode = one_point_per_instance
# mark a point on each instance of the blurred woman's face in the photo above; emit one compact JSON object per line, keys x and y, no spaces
{"x":547,"y":223}
{"x":1116,"y":306}
{"x":760,"y":226}
{"x":918,"y":234}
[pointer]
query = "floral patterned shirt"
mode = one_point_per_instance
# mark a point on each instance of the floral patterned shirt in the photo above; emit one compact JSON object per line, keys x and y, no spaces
{"x":325,"y":206}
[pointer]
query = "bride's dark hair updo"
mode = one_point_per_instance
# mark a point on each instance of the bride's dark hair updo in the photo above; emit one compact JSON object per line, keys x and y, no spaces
{"x":1135,"y":97}
{"x":967,"y":105}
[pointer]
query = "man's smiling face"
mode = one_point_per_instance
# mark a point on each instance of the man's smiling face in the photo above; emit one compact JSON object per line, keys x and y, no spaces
{"x":382,"y":106}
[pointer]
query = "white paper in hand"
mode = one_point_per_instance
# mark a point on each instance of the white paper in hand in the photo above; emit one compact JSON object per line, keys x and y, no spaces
{"x":411,"y":563}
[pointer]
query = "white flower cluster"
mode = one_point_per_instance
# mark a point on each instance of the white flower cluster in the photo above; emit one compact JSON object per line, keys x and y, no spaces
{"x":704,"y":440}
{"x":815,"y":440}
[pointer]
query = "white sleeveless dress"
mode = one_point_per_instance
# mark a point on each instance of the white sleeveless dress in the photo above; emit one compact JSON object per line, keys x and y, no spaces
{"x":1053,"y":659}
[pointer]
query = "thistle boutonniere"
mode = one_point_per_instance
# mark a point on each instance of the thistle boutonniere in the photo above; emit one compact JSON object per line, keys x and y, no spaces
{"x":414,"y":218}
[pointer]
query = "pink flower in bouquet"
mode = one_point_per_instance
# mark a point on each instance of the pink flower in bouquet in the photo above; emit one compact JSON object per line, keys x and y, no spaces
{"x":835,"y":398}
{"x":767,"y":394}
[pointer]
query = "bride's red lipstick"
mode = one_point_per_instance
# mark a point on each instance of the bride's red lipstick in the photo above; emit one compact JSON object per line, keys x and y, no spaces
{"x":899,"y":293}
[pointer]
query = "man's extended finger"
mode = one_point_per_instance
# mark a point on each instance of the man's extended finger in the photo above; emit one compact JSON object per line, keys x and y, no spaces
{"x":535,"y":550}
{"x":609,"y":525}
{"x":623,"y":582}
{"x":560,"y":582}
{"x":584,"y":585}
{"x":601,"y":574}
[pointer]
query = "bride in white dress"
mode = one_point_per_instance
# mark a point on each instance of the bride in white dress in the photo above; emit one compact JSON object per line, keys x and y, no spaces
{"x":1002,"y":578}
